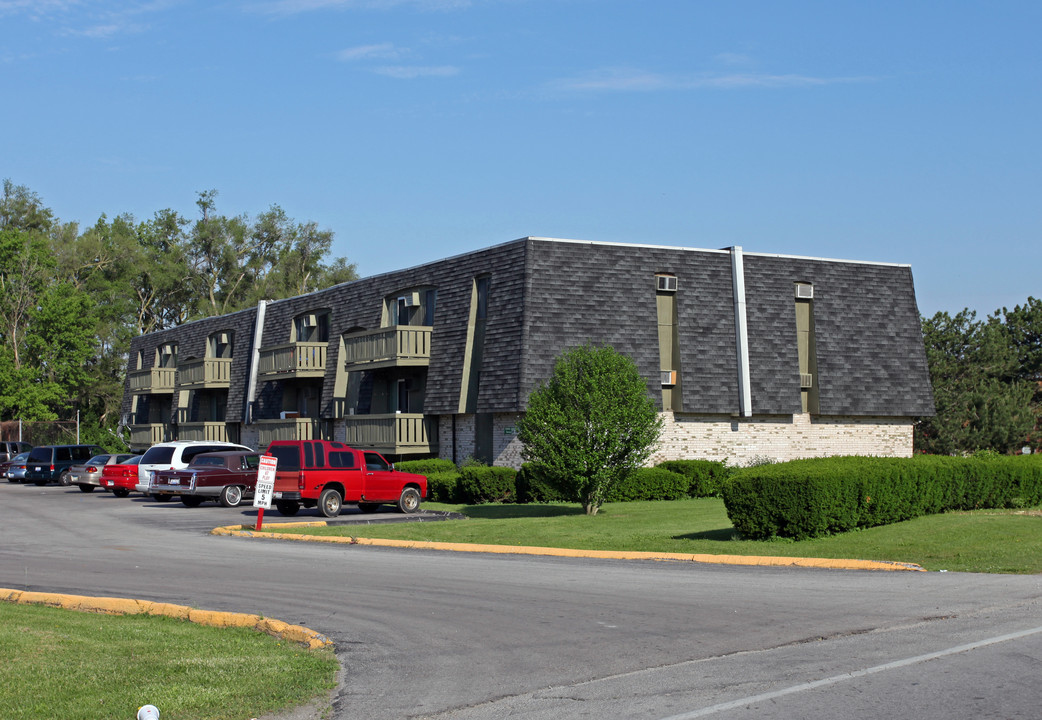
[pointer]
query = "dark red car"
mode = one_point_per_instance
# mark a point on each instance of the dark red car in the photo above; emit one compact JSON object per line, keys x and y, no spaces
{"x":226,"y":477}
{"x":120,"y":478}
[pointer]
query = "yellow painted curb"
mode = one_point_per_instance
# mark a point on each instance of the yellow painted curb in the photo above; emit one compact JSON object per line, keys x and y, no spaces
{"x":128,"y":606}
{"x":760,"y":560}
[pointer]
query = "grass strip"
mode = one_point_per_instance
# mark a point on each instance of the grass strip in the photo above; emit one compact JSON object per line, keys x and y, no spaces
{"x":989,"y":541}
{"x":84,"y":666}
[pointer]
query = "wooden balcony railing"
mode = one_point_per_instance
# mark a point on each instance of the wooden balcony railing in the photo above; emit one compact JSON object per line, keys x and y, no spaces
{"x":154,"y":380}
{"x":300,"y":359}
{"x":396,"y":434}
{"x":391,"y":346}
{"x":205,"y":373}
{"x":204,"y":431}
{"x":288,"y":429}
{"x":145,"y":436}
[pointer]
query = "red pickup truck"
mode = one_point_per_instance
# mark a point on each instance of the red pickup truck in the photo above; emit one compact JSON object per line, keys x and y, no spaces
{"x":327,"y":474}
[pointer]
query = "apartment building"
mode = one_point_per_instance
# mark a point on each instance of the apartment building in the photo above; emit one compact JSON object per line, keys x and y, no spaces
{"x":748,"y":355}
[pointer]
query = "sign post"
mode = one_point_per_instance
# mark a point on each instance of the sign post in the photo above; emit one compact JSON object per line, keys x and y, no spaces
{"x":265,"y":487}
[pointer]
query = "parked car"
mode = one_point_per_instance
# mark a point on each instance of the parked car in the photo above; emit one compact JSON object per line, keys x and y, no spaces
{"x":226,"y":477}
{"x":175,"y":456}
{"x":47,"y":463}
{"x":10,"y":448}
{"x":88,"y":475}
{"x":327,"y":474}
{"x":120,"y":478}
{"x":15,"y":468}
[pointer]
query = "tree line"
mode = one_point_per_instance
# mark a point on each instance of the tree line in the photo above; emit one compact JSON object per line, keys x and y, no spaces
{"x":71,"y":299}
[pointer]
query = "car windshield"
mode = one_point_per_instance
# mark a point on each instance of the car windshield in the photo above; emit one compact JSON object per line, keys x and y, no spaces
{"x":157,"y":456}
{"x":20,"y":457}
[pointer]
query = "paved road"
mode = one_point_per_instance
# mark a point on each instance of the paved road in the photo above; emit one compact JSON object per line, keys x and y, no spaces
{"x":473,"y":636}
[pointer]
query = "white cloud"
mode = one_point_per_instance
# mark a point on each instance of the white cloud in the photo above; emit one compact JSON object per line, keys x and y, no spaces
{"x":631,"y":80}
{"x":382,"y":51}
{"x":408,"y":72}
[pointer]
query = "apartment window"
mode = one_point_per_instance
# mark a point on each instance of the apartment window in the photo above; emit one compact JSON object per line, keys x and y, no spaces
{"x":166,"y":355}
{"x":430,"y":299}
{"x":482,"y":291}
{"x":311,"y":327}
{"x":219,"y":345}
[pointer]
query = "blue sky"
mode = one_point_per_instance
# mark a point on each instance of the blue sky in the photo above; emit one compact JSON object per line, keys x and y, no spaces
{"x":900,"y":131}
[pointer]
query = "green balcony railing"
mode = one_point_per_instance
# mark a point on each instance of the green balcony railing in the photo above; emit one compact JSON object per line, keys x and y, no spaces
{"x":395,"y":434}
{"x":299,"y":359}
{"x":288,"y":429}
{"x":204,"y":431}
{"x":154,"y":380}
{"x":206,"y":373}
{"x":391,"y":346}
{"x":144,"y":436}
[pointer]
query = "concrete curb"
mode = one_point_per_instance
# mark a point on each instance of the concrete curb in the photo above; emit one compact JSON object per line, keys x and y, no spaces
{"x":759,"y":560}
{"x":126,"y":606}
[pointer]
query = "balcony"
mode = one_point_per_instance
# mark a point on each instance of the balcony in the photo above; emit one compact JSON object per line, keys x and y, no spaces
{"x":288,"y":429}
{"x":153,"y":381}
{"x":205,"y":373}
{"x":399,"y":346}
{"x":293,"y":360}
{"x":204,"y":431}
{"x":145,"y":436}
{"x":393,"y":434}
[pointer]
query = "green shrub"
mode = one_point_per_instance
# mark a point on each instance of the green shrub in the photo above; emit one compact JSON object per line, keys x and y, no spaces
{"x":443,"y":486}
{"x":704,"y":476}
{"x":809,"y":498}
{"x":654,"y":483}
{"x":426,"y":466}
{"x":535,"y":485}
{"x":482,"y":484}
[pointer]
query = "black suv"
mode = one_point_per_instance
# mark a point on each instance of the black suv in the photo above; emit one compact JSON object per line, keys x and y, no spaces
{"x":10,"y":448}
{"x":47,"y":463}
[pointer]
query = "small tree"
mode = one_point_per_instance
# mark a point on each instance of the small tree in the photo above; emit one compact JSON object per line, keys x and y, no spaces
{"x":590,"y":424}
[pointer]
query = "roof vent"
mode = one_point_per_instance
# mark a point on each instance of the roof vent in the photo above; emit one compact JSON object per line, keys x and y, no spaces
{"x":806,"y":381}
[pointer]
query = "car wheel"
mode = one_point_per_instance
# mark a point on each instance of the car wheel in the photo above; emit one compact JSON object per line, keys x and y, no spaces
{"x":86,"y":488}
{"x":287,"y":507}
{"x":191,"y":500}
{"x":63,"y":479}
{"x":120,"y":492}
{"x":368,"y":507}
{"x":409,"y":502}
{"x":231,"y":496}
{"x":329,"y":503}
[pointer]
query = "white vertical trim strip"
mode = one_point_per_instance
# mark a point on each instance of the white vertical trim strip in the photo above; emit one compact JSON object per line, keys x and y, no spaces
{"x":741,"y":332}
{"x":251,"y":382}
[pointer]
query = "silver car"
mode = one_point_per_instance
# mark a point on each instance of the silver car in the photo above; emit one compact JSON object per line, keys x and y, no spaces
{"x":88,"y":475}
{"x":16,"y":470}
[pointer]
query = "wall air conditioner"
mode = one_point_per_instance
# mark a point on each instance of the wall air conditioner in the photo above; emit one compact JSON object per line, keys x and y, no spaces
{"x":666,"y":283}
{"x":309,"y":321}
{"x":804,"y":291}
{"x":669,"y":378}
{"x":410,"y":300}
{"x":806,"y":381}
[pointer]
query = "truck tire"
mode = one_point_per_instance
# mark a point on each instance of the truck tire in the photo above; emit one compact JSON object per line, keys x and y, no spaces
{"x":329,"y":503}
{"x":409,"y":502}
{"x":231,"y":496}
{"x":287,"y":507}
{"x":368,"y":507}
{"x":191,"y":500}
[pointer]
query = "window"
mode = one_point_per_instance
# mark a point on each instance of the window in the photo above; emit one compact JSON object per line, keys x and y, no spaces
{"x":166,"y":355}
{"x":311,"y":327}
{"x":219,"y":345}
{"x":342,"y":459}
{"x":375,"y":462}
{"x":287,"y":457}
{"x":430,"y":300}
{"x":666,"y":283}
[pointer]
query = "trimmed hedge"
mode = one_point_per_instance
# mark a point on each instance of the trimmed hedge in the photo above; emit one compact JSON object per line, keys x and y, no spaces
{"x":705,"y":477}
{"x":654,"y":483}
{"x":810,"y":498}
{"x":442,"y":477}
{"x":480,"y":484}
{"x":534,"y":485}
{"x":426,"y":466}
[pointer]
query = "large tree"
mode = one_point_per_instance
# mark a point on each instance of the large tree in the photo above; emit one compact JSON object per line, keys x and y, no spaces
{"x":591,"y":424}
{"x":981,"y":385}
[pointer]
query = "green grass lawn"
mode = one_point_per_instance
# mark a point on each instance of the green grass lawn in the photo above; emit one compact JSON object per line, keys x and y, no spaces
{"x":998,"y":541}
{"x":84,"y":666}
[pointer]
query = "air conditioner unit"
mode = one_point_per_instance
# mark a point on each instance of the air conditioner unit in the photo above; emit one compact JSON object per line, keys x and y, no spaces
{"x":804,"y":291}
{"x":410,"y":300}
{"x":309,"y":321}
{"x":666,"y":283}
{"x":806,"y":381}
{"x":669,"y":378}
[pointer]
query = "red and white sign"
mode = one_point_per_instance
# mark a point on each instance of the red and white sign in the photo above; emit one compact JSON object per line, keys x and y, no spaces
{"x":265,"y":482}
